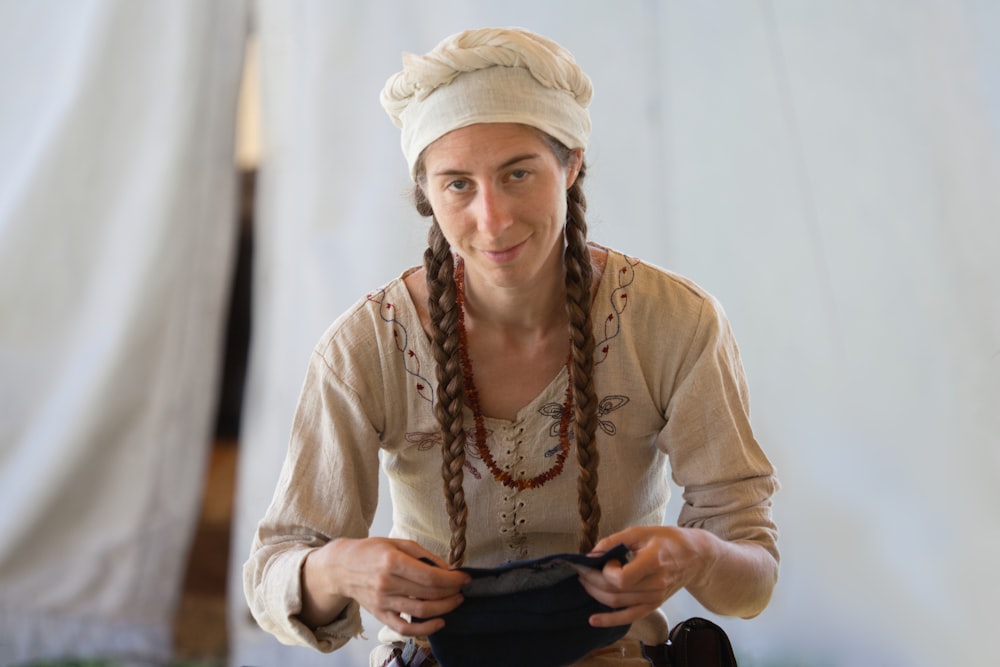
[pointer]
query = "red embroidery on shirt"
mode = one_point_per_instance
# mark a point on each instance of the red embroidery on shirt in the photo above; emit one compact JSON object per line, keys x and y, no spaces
{"x":400,"y":336}
{"x":618,"y":303}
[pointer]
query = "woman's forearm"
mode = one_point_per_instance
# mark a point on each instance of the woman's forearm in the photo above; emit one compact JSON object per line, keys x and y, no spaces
{"x":319,"y":608}
{"x":740,"y":579}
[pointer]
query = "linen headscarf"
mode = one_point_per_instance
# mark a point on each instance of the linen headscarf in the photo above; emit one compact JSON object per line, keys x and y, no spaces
{"x":488,"y":75}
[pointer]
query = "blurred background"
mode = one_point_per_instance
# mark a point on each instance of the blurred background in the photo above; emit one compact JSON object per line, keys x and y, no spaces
{"x":191,"y":191}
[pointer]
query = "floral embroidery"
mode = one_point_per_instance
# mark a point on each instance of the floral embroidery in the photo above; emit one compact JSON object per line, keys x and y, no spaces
{"x":424,"y":441}
{"x":604,"y":406}
{"x":400,"y":337}
{"x":618,"y":303}
{"x":555,"y":411}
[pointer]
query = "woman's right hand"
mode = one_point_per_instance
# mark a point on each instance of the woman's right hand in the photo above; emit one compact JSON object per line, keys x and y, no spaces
{"x":386,"y":577}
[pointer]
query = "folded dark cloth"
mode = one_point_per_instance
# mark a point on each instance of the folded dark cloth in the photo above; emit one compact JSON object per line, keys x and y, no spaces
{"x":530,"y":613}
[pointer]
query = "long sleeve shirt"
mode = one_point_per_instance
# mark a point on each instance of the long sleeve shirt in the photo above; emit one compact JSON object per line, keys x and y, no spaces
{"x":673,"y":400}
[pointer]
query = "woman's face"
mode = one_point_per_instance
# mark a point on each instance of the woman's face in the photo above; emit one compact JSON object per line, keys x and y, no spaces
{"x":499,"y":195}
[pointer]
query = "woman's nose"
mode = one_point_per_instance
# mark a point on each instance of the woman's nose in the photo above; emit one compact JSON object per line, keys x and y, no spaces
{"x":494,"y":212}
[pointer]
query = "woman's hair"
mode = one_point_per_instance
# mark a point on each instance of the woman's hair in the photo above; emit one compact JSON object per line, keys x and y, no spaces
{"x":443,"y":308}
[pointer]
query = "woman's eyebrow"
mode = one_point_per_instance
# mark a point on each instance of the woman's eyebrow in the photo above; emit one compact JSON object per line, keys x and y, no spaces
{"x":518,"y":158}
{"x":508,"y":163}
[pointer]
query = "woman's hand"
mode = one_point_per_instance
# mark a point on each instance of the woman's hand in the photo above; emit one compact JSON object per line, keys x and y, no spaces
{"x":386,"y":577}
{"x":727,"y":578}
{"x":664,"y":560}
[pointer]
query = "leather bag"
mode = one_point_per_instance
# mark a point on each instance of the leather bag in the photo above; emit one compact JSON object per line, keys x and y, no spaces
{"x":696,"y":642}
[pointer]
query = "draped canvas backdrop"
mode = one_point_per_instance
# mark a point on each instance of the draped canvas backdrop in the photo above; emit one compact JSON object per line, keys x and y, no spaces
{"x":829,"y":170}
{"x":117,"y":230}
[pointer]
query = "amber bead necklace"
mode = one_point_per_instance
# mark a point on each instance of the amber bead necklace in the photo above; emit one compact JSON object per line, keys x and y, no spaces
{"x":472,"y":398}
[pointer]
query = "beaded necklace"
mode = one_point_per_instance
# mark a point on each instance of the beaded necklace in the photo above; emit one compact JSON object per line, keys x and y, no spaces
{"x":472,"y":397}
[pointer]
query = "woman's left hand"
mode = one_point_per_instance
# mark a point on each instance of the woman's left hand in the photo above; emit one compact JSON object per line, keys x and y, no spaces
{"x":664,"y":560}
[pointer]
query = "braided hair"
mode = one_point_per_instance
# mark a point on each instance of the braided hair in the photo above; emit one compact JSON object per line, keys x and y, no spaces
{"x":443,"y":310}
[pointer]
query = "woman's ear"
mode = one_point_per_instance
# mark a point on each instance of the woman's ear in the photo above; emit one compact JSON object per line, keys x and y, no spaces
{"x":423,"y":204}
{"x":573,"y":169}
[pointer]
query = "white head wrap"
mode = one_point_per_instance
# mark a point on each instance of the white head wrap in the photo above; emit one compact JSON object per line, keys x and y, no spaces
{"x":488,"y":75}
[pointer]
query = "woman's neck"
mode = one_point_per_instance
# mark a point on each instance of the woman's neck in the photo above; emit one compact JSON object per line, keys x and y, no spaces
{"x":516,"y":311}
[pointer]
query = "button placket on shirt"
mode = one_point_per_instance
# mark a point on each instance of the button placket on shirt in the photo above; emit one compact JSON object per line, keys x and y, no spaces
{"x":512,"y":520}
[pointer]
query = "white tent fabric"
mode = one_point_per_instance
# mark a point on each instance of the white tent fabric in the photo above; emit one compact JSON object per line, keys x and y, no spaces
{"x":835,"y":178}
{"x":117,"y":229}
{"x":830,"y":170}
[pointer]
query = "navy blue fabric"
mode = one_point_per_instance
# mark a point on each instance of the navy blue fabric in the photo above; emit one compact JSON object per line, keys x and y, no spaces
{"x":528,"y":613}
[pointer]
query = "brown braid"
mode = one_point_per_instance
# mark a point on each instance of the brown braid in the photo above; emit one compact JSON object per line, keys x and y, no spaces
{"x":441,"y":303}
{"x":579,"y":276}
{"x":439,"y":269}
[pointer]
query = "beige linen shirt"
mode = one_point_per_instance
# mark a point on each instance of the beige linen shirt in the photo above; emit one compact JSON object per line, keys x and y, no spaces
{"x":670,"y":386}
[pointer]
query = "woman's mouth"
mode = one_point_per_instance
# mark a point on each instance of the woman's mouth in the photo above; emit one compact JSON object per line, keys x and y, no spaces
{"x":505,"y":255}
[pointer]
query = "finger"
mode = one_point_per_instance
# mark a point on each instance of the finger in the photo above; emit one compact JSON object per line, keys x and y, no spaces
{"x":407,"y":570}
{"x":443,"y":582}
{"x":425,"y":609}
{"x":630,"y":537}
{"x":602,"y":546}
{"x":592,"y":579}
{"x":643,"y":572}
{"x":611,"y":577}
{"x":616,"y":598}
{"x":615,"y":574}
{"x":415,"y":586}
{"x":607,"y":581}
{"x":414,"y":549}
{"x":620,"y":616}
{"x":606,"y":544}
{"x":408,"y":628}
{"x":440,"y":574}
{"x":650,"y":593}
{"x":411,"y":616}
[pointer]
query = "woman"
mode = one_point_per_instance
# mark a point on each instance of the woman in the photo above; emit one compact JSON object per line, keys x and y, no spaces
{"x":516,"y":344}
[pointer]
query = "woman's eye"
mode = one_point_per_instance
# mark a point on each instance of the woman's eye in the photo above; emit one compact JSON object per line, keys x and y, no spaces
{"x":518,"y":174}
{"x":458,"y":186}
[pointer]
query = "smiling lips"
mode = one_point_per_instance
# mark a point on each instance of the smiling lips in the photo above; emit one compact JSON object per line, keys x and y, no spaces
{"x":504,"y":256}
